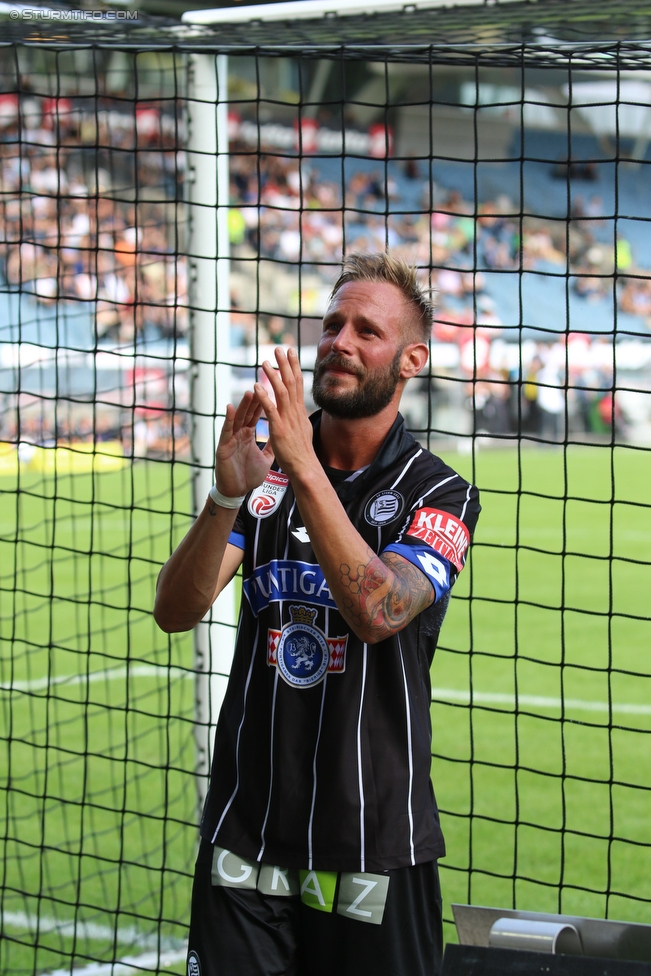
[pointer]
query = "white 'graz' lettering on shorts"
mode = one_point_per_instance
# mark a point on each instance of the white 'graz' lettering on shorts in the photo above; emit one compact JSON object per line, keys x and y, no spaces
{"x":354,"y":894}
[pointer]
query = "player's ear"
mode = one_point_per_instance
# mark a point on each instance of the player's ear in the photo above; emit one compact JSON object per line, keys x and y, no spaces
{"x":414,"y":358}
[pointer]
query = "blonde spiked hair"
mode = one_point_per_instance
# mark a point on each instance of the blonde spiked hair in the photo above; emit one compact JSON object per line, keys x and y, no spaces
{"x":384,"y":267}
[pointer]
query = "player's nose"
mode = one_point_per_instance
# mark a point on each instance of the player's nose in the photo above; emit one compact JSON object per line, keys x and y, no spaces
{"x":343,"y":341}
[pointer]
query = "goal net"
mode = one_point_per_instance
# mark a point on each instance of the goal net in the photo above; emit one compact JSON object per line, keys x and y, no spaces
{"x":175,"y":203}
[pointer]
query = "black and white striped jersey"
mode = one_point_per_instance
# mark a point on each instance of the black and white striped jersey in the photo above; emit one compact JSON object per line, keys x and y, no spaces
{"x":323,"y":745}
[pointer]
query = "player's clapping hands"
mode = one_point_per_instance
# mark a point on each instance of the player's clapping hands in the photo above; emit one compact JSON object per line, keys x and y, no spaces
{"x":290,"y":430}
{"x":240,"y":464}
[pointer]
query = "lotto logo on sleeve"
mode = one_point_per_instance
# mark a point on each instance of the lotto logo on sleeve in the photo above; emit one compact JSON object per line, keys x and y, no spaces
{"x":442,"y":532}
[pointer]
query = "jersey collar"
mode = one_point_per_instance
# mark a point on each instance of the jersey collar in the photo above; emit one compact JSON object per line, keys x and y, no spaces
{"x":396,"y":444}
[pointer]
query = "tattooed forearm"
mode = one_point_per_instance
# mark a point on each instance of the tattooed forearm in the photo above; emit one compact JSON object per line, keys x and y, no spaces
{"x":412,"y":591}
{"x":383,"y":595}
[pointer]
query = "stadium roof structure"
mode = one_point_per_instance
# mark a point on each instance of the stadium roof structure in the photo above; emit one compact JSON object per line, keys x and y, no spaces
{"x":541,"y":32}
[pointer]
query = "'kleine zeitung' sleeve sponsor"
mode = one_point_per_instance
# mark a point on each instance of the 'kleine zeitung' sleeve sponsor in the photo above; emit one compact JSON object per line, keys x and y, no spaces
{"x":442,"y":532}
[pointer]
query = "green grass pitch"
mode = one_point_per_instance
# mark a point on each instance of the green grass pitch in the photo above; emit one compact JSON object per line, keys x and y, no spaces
{"x":543,"y":783}
{"x":98,"y":799}
{"x":559,"y":787}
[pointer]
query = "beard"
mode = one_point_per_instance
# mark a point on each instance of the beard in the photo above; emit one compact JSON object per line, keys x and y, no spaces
{"x":371,"y":395}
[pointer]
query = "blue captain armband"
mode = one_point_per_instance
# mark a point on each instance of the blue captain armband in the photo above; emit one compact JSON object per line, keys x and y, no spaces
{"x":435,"y":567}
{"x":237,"y":539}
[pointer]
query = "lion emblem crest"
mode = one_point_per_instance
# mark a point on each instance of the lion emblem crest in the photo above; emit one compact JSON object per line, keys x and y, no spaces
{"x":302,"y":654}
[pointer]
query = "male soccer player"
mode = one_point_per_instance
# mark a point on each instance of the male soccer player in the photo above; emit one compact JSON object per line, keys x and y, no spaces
{"x":320,"y":833}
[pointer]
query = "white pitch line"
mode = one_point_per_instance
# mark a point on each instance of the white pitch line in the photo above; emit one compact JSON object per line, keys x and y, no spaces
{"x":438,"y":694}
{"x":110,"y":674}
{"x":89,"y":930}
{"x":162,"y":952}
{"x":159,"y":952}
{"x":129,"y":966}
{"x":535,"y":701}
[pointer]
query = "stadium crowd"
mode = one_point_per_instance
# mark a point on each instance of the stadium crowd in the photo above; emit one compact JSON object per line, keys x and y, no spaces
{"x":93,"y":224}
{"x":284,"y":212}
{"x":85,"y":217}
{"x":70,"y":231}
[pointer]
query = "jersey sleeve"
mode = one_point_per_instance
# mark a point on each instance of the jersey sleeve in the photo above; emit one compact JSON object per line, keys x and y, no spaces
{"x":436,"y":537}
{"x":237,"y":537}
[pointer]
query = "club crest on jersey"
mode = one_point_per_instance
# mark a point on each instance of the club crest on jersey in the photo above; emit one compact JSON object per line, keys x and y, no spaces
{"x":301,"y":652}
{"x":383,"y":507}
{"x":266,"y":498}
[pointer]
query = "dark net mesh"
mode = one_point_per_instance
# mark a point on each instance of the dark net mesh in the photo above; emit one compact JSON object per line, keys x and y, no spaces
{"x":515,"y":178}
{"x":97,"y":704}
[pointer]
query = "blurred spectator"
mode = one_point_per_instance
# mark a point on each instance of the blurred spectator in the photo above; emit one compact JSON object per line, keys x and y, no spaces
{"x":66,"y":237}
{"x":551,"y":400}
{"x":635,"y":296}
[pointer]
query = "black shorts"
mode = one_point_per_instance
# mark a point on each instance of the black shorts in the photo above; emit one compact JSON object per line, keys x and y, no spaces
{"x":318,"y":924}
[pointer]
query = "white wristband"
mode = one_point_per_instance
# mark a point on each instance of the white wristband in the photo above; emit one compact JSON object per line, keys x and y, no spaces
{"x":223,"y":500}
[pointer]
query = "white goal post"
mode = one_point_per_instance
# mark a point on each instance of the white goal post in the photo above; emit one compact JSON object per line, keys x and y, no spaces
{"x":209,"y":294}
